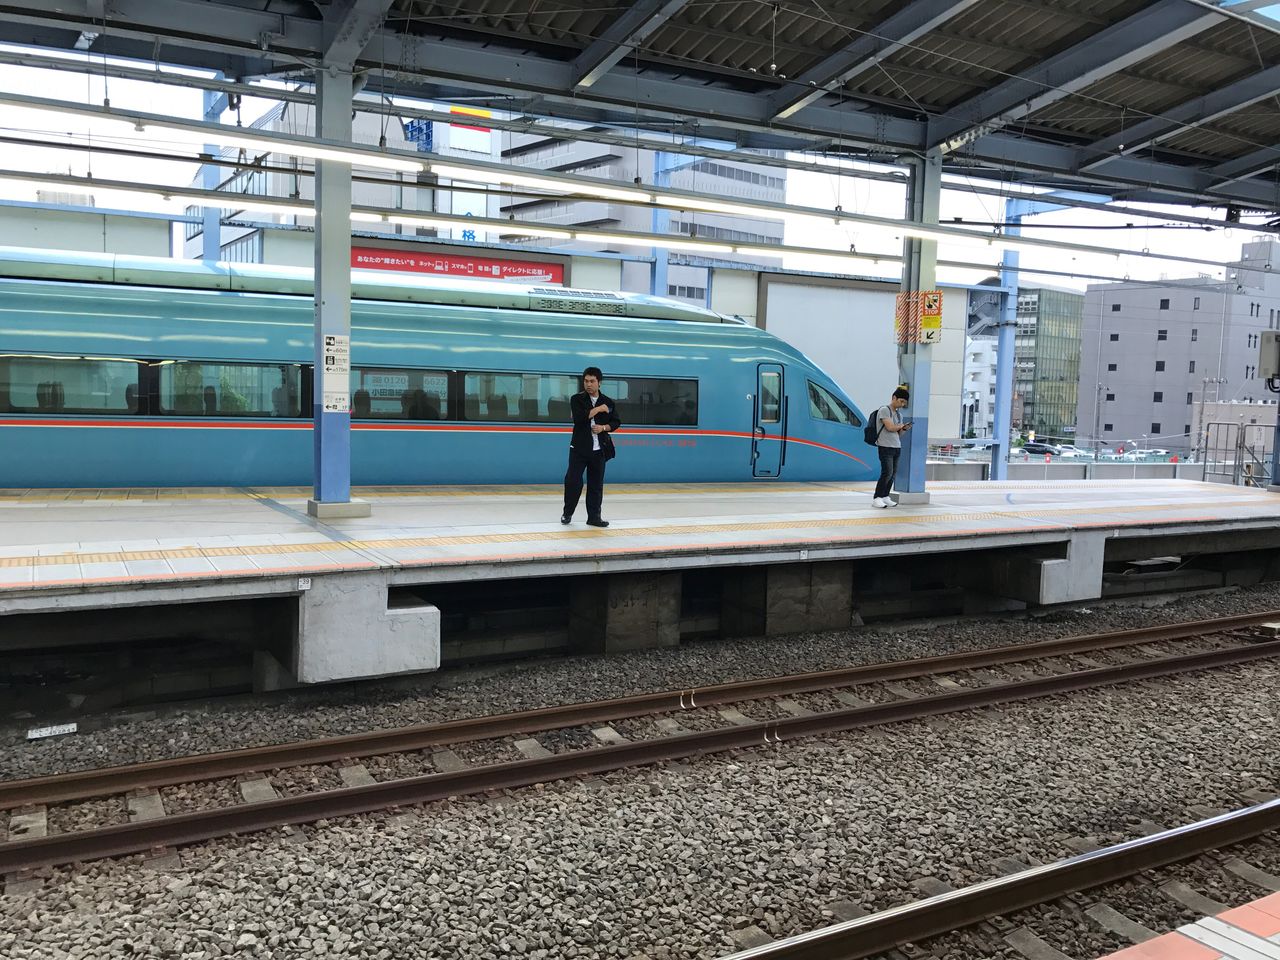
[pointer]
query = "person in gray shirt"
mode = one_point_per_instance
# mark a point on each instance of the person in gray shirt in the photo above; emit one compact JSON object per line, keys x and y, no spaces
{"x":889,"y":445}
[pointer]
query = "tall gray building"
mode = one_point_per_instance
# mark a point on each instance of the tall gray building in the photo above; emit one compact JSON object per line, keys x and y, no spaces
{"x":1150,"y":353}
{"x":687,"y":276}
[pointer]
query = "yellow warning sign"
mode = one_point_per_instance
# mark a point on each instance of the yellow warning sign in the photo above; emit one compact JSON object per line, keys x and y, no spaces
{"x":931,"y":316}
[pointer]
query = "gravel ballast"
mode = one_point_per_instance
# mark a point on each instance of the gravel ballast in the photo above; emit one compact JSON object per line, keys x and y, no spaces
{"x":286,"y":717}
{"x":667,"y":861}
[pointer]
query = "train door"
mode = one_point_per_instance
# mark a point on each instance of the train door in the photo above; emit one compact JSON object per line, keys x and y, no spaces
{"x":769,"y":427}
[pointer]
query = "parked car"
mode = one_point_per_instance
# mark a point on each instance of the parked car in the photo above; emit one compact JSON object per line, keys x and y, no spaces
{"x":1071,"y":450}
{"x":1036,"y":448}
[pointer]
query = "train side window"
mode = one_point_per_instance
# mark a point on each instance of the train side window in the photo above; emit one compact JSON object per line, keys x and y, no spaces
{"x":518,"y":397}
{"x":195,"y":388}
{"x":825,"y":405}
{"x":69,"y":385}
{"x":654,"y":401}
{"x":382,"y":393}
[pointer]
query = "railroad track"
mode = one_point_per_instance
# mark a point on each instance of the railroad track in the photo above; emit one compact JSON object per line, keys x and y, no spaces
{"x":841,"y":700}
{"x":957,"y":910}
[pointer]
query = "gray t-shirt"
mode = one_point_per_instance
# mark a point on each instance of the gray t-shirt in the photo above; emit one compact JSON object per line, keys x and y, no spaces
{"x":888,"y":438}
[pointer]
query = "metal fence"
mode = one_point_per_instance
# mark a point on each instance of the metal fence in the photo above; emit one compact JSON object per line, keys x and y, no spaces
{"x":1238,"y":453}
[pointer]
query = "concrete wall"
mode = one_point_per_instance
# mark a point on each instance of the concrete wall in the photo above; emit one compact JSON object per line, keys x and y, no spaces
{"x":288,"y":248}
{"x":733,"y":292}
{"x":847,"y":328}
{"x":592,"y":273}
{"x":90,"y":232}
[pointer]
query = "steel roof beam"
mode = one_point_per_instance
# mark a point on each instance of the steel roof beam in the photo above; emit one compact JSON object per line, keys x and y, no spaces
{"x":1242,"y":168}
{"x":628,"y":31}
{"x":349,"y":25}
{"x":448,"y":69}
{"x":866,"y":50}
{"x":1146,"y":33}
{"x":1192,"y":113}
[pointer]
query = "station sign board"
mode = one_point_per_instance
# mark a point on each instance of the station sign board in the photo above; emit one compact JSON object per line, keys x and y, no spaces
{"x":456,"y":265}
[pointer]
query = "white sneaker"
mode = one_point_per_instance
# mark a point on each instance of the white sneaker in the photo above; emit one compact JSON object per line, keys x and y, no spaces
{"x":889,"y":502}
{"x":880,"y":502}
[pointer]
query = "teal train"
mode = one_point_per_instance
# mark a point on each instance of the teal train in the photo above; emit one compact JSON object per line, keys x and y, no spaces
{"x":129,"y":371}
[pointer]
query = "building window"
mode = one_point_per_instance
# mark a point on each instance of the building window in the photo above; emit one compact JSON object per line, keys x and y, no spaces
{"x":1155,"y":429}
{"x":1195,"y":304}
{"x":1111,"y":396}
{"x":1158,"y":397}
{"x":1248,"y":372}
{"x":689,"y":293}
{"x":1115,"y":308}
{"x":1107,"y":428}
{"x":1191,"y":367}
{"x":1111,"y":368}
{"x":1195,"y":334}
{"x":1190,"y":398}
{"x":1162,"y":334}
{"x":247,"y":249}
{"x":1114,"y":337}
{"x":1253,"y":340}
{"x":1186,"y":429}
{"x":1164,"y":303}
{"x":1159,"y":366}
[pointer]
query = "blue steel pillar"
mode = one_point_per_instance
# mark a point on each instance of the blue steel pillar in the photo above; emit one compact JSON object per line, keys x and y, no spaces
{"x":210,"y":177}
{"x":1013,"y":213}
{"x":331,"y":396}
{"x":919,"y":272}
{"x":661,"y":225}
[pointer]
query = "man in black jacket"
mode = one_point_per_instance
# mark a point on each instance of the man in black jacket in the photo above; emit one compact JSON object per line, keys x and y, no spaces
{"x":595,"y":416}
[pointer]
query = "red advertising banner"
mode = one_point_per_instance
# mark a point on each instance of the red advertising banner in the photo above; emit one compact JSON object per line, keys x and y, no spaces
{"x":455,"y":265}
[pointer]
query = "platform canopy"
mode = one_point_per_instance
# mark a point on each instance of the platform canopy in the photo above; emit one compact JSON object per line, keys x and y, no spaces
{"x":1145,"y":100}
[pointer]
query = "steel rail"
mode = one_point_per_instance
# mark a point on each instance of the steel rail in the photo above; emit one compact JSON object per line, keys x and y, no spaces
{"x":102,"y":781}
{"x":188,"y":828}
{"x":946,"y":912}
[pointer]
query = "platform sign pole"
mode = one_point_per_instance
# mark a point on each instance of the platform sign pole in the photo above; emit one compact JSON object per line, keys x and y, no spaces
{"x":211,"y":179}
{"x":1005,"y":346}
{"x":919,"y":276}
{"x":660,"y":226}
{"x":331,"y":393}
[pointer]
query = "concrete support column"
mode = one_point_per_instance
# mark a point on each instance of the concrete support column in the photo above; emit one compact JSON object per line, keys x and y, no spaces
{"x":787,"y":598}
{"x":331,"y":396}
{"x":919,"y":272}
{"x":1050,"y":580}
{"x":625,"y":611}
{"x":346,"y":631}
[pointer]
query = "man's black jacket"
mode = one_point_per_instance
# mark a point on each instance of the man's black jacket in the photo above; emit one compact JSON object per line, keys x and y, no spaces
{"x":579,"y":405}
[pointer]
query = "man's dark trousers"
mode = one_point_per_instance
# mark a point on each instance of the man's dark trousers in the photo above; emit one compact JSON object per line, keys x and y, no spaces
{"x":888,"y":470}
{"x":593,"y":463}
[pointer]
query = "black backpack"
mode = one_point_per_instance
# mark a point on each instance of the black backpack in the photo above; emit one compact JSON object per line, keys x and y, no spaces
{"x":871,"y":432}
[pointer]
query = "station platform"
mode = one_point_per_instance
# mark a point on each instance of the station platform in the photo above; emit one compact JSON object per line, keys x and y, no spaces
{"x":1250,"y":932}
{"x":793,"y":547}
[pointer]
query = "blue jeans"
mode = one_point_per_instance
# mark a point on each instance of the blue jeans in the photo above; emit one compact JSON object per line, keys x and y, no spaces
{"x":888,"y":469}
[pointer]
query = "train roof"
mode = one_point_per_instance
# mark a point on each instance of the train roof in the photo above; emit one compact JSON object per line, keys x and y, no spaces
{"x":76,"y":266}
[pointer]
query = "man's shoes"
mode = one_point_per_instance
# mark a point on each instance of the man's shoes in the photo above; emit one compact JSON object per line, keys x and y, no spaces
{"x":565,"y":518}
{"x":596,"y":522}
{"x":880,"y":502}
{"x":890,"y":502}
